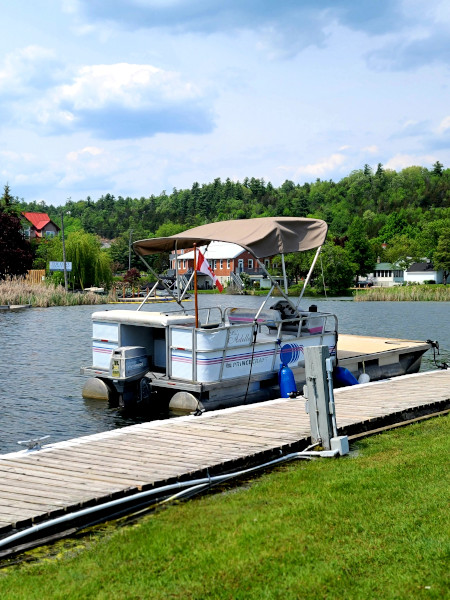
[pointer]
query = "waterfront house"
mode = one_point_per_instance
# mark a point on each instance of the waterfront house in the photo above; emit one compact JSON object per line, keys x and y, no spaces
{"x":228,"y":261}
{"x":38,"y":226}
{"x":386,"y":275}
{"x":421,"y":272}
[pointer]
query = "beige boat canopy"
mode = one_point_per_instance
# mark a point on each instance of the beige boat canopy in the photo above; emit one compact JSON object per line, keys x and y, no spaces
{"x":262,"y":237}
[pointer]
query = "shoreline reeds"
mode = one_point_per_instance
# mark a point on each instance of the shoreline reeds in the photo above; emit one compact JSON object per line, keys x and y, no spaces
{"x":20,"y":292}
{"x":406,"y":293}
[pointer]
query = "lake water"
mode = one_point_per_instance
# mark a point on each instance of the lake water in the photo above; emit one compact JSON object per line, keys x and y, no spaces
{"x":42,"y":351}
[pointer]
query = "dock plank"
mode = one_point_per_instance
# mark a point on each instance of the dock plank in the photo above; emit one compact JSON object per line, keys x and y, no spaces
{"x":66,"y":475}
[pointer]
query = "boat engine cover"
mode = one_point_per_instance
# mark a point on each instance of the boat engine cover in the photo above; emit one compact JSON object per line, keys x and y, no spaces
{"x":128,"y":363}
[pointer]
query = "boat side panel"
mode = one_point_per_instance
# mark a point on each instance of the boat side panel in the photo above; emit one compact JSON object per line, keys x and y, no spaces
{"x":238,"y":362}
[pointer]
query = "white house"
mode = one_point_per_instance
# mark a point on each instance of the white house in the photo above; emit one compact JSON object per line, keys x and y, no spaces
{"x":386,"y":275}
{"x":423,"y":271}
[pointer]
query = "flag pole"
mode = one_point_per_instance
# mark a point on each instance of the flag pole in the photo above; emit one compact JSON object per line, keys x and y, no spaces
{"x":195,"y":285}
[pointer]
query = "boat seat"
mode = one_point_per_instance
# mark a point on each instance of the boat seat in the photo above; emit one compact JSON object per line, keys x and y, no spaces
{"x":313,"y":323}
{"x":210,"y":325}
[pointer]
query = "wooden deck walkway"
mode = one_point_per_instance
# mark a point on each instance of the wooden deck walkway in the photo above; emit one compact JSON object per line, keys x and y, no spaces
{"x":63,"y":477}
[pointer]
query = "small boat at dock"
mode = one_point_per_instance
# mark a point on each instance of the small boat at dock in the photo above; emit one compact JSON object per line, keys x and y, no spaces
{"x":219,"y":357}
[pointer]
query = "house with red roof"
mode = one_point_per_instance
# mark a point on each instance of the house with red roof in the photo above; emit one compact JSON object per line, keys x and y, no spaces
{"x":39,"y":225}
{"x":225,"y":259}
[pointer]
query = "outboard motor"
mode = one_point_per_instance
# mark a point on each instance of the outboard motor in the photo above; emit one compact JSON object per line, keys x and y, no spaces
{"x":128,"y":363}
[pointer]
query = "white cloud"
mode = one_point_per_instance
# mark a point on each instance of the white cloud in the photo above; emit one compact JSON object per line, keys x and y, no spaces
{"x":444,"y":125}
{"x":28,"y":68}
{"x":402,"y":161}
{"x":130,"y":85}
{"x":113,"y":101}
{"x":88,"y":151}
{"x":18,"y":157}
{"x":324,"y":166}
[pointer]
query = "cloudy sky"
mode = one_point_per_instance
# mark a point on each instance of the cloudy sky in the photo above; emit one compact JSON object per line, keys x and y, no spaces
{"x":133,"y":97}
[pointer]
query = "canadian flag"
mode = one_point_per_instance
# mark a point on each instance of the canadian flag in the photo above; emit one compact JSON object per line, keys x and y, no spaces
{"x":203,"y":267}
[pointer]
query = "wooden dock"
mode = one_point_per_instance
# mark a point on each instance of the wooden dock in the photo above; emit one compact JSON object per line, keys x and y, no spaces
{"x":63,"y":477}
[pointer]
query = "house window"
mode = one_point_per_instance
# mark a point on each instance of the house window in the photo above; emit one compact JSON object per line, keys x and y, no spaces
{"x":250,"y":263}
{"x":184,"y":264}
{"x":267,"y":263}
{"x":49,"y":234}
{"x":228,"y":263}
{"x":27,"y":232}
{"x":215,"y":264}
{"x":179,"y":264}
{"x":221,"y":264}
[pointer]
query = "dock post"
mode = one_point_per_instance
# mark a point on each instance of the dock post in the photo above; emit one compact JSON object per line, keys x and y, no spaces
{"x":320,"y":400}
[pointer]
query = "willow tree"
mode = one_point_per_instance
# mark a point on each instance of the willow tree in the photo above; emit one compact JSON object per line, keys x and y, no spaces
{"x":91,"y":266}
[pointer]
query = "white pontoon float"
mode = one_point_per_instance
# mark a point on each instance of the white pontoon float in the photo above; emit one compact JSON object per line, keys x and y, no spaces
{"x":234,"y":355}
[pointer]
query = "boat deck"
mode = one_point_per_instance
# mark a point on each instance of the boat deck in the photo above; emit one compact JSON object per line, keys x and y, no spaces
{"x":351,"y":346}
{"x":63,"y":477}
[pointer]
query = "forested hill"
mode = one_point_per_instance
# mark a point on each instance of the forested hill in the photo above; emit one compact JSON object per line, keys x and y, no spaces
{"x":390,"y":203}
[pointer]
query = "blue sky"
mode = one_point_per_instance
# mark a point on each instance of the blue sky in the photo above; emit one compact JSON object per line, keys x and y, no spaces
{"x":133,"y":97}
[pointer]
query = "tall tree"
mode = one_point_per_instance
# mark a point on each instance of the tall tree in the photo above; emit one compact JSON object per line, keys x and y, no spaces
{"x":16,"y":255}
{"x":441,"y":256}
{"x":337,"y":267}
{"x":359,"y":248}
{"x":402,"y":251}
{"x":7,"y":200}
{"x":438,"y":168}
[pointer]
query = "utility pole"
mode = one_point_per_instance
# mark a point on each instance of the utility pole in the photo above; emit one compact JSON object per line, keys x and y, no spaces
{"x":64,"y":250}
{"x":129,"y":250}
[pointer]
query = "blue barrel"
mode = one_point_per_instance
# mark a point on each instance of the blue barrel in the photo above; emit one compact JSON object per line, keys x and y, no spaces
{"x":286,"y":381}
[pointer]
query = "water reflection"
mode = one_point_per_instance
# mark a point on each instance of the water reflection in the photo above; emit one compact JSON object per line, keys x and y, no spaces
{"x":43,"y":349}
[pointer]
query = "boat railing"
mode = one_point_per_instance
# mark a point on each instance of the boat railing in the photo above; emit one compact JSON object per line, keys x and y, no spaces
{"x":303,"y":323}
{"x":189,"y":348}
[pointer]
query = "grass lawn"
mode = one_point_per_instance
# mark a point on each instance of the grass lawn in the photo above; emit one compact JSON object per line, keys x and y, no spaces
{"x":371,"y":525}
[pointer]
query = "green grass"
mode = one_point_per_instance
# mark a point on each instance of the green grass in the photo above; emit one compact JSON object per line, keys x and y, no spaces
{"x":372,"y":525}
{"x":420,"y":293}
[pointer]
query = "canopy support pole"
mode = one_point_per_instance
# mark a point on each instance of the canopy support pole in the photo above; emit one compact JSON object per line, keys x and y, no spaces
{"x":161,"y":281}
{"x":275,"y":284}
{"x":195,"y":286}
{"x":308,"y":277}
{"x":263,"y":304}
{"x":283,"y":266}
{"x":186,"y":289}
{"x":176,"y":268}
{"x":147,"y":297}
